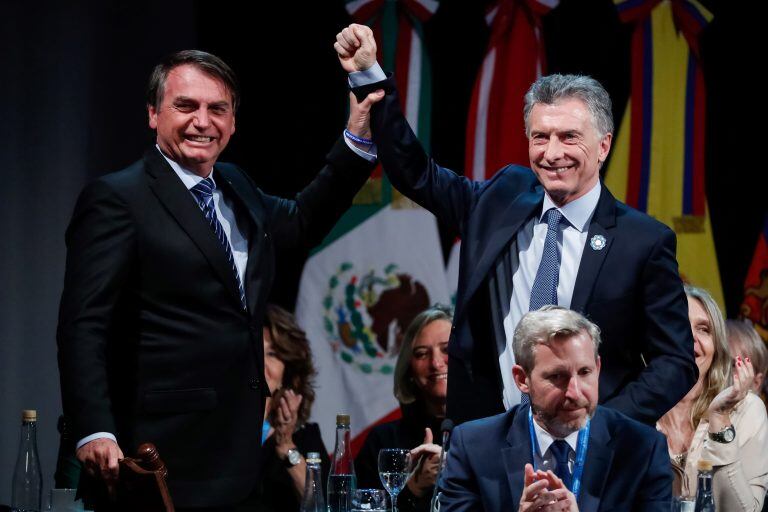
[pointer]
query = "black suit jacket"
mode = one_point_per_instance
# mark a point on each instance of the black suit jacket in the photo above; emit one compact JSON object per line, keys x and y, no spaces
{"x":626,"y":468}
{"x":153,"y":343}
{"x":631,"y":288}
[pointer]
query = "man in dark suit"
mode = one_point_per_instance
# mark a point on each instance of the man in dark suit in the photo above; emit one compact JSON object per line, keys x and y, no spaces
{"x":563,"y":451}
{"x":169,"y":265}
{"x":552,"y":234}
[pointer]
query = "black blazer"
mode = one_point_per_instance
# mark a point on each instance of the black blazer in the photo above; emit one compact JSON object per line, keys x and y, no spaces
{"x":631,"y":288}
{"x":627,"y":466}
{"x":153,"y":343}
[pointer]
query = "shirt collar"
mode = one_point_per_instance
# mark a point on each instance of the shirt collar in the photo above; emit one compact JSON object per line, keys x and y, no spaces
{"x":578,"y":212}
{"x":187,"y":177}
{"x":546,"y":439}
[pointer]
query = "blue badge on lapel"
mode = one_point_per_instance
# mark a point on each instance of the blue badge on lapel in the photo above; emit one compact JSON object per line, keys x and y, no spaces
{"x":597,"y":242}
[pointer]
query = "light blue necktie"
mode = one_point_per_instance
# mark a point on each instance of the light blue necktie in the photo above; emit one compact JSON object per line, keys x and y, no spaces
{"x":203,"y":192}
{"x":544,"y":290}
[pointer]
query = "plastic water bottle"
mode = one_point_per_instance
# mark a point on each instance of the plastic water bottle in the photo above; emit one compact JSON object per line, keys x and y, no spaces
{"x":313,"y":500}
{"x":704,"y":500}
{"x":341,"y":480}
{"x":27,"y":477}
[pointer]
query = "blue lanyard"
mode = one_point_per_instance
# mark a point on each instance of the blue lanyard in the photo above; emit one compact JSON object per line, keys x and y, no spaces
{"x":265,"y":430}
{"x":581,"y":453}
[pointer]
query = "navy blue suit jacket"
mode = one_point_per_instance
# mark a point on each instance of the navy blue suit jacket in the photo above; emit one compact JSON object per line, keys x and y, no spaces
{"x":626,"y":468}
{"x":631,"y":288}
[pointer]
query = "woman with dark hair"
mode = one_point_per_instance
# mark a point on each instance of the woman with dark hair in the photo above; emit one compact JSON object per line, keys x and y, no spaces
{"x":719,"y":419}
{"x":421,"y":385}
{"x":286,"y":437}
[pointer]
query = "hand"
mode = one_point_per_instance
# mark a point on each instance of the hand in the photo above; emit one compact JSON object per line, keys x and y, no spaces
{"x":718,"y":412}
{"x":356,"y":48}
{"x":544,"y":491}
{"x":100,"y":458}
{"x":424,"y":476}
{"x":359,"y":122}
{"x":286,"y":416}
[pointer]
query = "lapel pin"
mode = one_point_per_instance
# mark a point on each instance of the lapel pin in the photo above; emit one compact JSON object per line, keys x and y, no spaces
{"x":597,"y":242}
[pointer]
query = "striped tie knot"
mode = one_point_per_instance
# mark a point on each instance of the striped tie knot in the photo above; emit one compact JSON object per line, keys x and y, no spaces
{"x":204,"y":191}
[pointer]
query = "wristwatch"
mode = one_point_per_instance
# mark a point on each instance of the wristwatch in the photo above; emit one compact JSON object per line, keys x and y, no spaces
{"x":293,"y":457}
{"x":726,"y":435}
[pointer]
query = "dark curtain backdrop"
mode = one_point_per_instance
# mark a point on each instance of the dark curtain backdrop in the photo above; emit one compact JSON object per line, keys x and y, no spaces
{"x":72,"y":108}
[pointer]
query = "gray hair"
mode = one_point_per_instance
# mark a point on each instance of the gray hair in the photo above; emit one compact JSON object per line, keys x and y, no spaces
{"x":550,"y":89}
{"x":405,"y":390}
{"x":542,"y":326}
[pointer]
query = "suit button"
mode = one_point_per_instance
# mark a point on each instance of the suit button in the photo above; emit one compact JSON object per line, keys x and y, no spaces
{"x":254,"y":384}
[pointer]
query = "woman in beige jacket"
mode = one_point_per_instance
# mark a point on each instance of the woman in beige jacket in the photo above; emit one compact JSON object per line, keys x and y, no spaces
{"x":723,"y":423}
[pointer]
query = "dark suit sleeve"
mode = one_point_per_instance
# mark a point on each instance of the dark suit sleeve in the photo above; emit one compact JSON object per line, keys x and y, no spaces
{"x":441,"y":191}
{"x":458,"y":486}
{"x":100,"y":256}
{"x":655,"y":489}
{"x":307,"y":219}
{"x":670,"y":370}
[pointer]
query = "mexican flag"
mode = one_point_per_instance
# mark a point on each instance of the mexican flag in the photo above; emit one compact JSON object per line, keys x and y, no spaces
{"x":382,"y":264}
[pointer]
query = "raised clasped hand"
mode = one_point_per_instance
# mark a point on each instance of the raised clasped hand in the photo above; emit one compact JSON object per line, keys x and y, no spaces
{"x":727,"y":399}
{"x":356,"y":48}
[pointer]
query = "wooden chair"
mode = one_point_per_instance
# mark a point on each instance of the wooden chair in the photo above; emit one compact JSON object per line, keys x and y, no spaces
{"x":142,"y":483}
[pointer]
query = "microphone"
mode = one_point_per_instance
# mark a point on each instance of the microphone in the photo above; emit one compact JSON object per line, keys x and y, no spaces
{"x":445,"y":428}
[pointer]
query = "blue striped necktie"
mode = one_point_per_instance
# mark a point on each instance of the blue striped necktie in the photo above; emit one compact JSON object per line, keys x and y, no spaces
{"x":544,"y":289}
{"x":203,"y":192}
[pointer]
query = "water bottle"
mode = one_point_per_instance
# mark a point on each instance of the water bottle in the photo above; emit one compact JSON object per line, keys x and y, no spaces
{"x":27,"y":477}
{"x":704,"y":500}
{"x":341,"y":480}
{"x":313,"y":500}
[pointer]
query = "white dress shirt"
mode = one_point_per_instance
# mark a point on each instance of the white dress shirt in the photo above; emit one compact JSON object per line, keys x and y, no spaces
{"x":544,"y":459}
{"x":571,"y":238}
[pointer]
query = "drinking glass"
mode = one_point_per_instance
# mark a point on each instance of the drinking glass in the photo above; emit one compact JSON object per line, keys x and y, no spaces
{"x":369,"y":500}
{"x":683,"y":504}
{"x":394,"y":464}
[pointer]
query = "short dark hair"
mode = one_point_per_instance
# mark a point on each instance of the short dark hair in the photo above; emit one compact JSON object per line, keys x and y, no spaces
{"x":205,"y":62}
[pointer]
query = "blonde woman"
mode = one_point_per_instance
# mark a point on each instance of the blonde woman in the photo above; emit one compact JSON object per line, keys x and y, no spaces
{"x":717,"y":420}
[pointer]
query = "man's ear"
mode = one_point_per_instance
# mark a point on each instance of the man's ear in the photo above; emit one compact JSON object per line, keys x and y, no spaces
{"x":598,"y":363}
{"x":521,"y":378}
{"x":152,"y":112}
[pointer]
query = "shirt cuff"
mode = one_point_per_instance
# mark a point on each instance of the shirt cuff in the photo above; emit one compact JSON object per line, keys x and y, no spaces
{"x":369,"y":76}
{"x":92,"y":437}
{"x":369,"y":155}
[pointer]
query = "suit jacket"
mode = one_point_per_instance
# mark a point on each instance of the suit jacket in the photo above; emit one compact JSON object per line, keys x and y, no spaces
{"x":630,"y":288}
{"x":153,"y":343}
{"x":626,"y":467}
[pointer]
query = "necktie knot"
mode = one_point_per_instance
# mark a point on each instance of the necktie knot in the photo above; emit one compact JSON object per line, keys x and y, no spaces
{"x":204,"y":189}
{"x":553,"y":217}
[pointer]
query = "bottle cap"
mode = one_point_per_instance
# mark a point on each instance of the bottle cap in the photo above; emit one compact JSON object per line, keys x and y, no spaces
{"x":313,"y":458}
{"x":29,"y":415}
{"x":704,"y":465}
{"x":342,"y":420}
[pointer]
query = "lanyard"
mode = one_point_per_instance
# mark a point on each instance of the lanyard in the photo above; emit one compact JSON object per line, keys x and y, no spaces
{"x":581,"y":453}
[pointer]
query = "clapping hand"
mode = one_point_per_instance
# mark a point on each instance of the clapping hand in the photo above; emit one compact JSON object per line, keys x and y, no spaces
{"x":544,"y":491}
{"x":424,"y":475}
{"x":285,"y":417}
{"x":720,"y":409}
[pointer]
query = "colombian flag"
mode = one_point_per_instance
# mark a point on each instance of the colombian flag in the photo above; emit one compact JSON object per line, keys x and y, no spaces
{"x":657,"y":165}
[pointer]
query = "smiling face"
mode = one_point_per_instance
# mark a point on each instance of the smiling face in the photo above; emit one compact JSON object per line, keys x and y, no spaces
{"x":703,"y":344}
{"x":565,"y":149}
{"x":563,"y":383}
{"x":195,"y":118}
{"x":429,"y":361}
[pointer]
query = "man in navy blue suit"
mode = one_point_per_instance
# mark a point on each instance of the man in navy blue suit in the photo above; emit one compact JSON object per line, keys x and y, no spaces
{"x":551,"y":234}
{"x":563,"y":451}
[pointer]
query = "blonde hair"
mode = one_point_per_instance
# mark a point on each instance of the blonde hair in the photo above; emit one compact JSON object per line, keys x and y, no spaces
{"x":718,"y":375}
{"x":540,"y":327}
